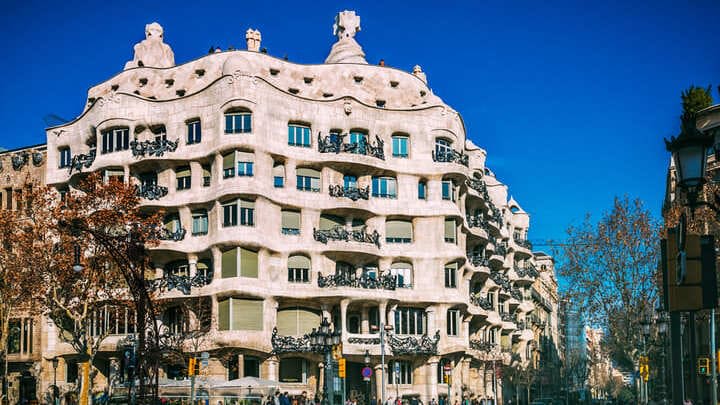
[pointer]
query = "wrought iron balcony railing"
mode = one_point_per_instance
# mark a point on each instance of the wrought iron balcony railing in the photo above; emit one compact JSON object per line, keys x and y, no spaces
{"x":517,"y":294}
{"x":478,"y":259}
{"x":501,"y":280}
{"x":364,"y":340}
{"x":450,"y":155}
{"x":333,"y":143}
{"x":177,"y":235}
{"x":507,"y":317}
{"x":424,"y":345}
{"x":290,"y":344}
{"x":500,"y":249}
{"x":340,"y":233}
{"x":482,"y":345}
{"x":479,"y":186}
{"x":483,"y":302}
{"x":151,"y":191}
{"x":181,"y":283}
{"x":385,"y":281}
{"x":81,"y":161}
{"x":476,"y":221}
{"x":353,"y":193}
{"x":529,"y":271}
{"x":157,"y":147}
{"x":290,"y":231}
{"x":523,"y":243}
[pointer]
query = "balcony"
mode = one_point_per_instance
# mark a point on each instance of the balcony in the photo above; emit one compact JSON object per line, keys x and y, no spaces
{"x":449,"y":156}
{"x":528,"y":271}
{"x":290,"y":344}
{"x":290,"y":231}
{"x":81,"y":161}
{"x":157,"y":147}
{"x":500,"y":249}
{"x":501,"y":280}
{"x":182,"y":283}
{"x":479,"y":186}
{"x":385,"y":281}
{"x":342,"y":234}
{"x":483,"y":302}
{"x":151,"y":191}
{"x":333,"y":143}
{"x":353,"y":193}
{"x":482,"y":345}
{"x":478,"y":259}
{"x":477,"y":221}
{"x":175,"y":236}
{"x":508,"y":317}
{"x":516,"y":293}
{"x":423,"y":345}
{"x":523,"y":243}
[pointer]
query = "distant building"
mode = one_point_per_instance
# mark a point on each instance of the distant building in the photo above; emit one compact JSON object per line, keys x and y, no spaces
{"x":575,"y":352}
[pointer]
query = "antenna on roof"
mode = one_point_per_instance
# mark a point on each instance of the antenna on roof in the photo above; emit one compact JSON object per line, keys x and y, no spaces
{"x":53,"y":120}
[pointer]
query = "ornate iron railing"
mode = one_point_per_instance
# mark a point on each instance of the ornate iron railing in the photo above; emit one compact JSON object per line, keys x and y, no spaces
{"x":476,"y":221}
{"x":182,"y":283}
{"x":482,"y":345}
{"x":340,"y":233}
{"x":496,"y":214}
{"x":523,"y":243}
{"x":82,"y":160}
{"x":290,"y":344}
{"x":479,"y":186}
{"x":353,"y":193}
{"x":507,"y":317}
{"x":384,"y":281}
{"x":333,"y":143}
{"x":157,"y":147}
{"x":425,"y":344}
{"x":177,"y":235}
{"x":515,"y":293}
{"x":478,"y":260}
{"x":290,"y":231}
{"x":151,"y":191}
{"x":500,"y":249}
{"x":483,"y":302}
{"x":529,"y":271}
{"x":364,"y":340}
{"x":501,"y":280}
{"x":451,"y":155}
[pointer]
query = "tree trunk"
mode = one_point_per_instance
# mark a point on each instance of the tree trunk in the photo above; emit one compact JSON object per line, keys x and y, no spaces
{"x":85,"y":384}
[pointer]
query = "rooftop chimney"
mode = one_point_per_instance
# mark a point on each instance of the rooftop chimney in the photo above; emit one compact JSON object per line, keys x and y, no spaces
{"x":253,"y":38}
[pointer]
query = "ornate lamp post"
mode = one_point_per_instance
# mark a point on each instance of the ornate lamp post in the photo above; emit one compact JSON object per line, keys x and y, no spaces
{"x":645,"y":326}
{"x":322,"y":340}
{"x":661,"y":322}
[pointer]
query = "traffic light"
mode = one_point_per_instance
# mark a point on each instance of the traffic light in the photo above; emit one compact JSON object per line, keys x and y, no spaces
{"x":703,"y":366}
{"x":192,"y":362}
{"x":644,"y":368}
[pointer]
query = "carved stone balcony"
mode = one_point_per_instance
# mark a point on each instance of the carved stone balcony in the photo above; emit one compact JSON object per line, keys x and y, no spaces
{"x":81,"y":161}
{"x":151,"y":191}
{"x":515,"y":293}
{"x":177,"y":235}
{"x":342,"y":234}
{"x":333,"y":143}
{"x":157,"y":147}
{"x":353,"y":193}
{"x":450,"y":155}
{"x":483,"y":302}
{"x":424,"y":345}
{"x":385,"y":281}
{"x":482,"y":345}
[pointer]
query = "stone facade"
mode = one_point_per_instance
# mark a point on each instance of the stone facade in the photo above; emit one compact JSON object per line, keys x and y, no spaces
{"x":342,"y":190}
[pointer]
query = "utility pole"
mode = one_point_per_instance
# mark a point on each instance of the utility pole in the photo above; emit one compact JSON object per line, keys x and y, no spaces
{"x":713,"y":360}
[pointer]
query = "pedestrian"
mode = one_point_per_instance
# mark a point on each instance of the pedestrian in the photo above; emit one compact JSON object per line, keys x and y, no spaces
{"x":687,"y":401}
{"x":389,"y":401}
{"x":414,"y":401}
{"x":433,"y":401}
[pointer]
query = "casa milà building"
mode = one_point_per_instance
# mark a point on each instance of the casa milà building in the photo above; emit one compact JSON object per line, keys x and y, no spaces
{"x":293,"y":193}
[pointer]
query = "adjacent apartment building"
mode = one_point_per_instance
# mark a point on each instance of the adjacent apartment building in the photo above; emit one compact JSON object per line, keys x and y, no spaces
{"x":343,"y":190}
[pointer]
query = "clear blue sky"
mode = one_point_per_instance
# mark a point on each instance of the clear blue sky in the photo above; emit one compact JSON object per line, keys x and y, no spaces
{"x":570,"y":99}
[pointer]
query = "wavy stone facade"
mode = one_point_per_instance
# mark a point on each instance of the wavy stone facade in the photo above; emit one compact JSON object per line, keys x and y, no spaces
{"x":344,"y":190}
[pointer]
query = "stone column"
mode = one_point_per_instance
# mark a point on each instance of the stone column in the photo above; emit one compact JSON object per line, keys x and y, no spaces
{"x":343,"y":318}
{"x":465,"y":372}
{"x":241,"y":365}
{"x":364,"y":320}
{"x":290,"y":179}
{"x":431,"y":321}
{"x":272,"y":368}
{"x":432,"y":379}
{"x":321,"y":377}
{"x":378,"y":381}
{"x":192,"y":265}
{"x":217,"y":170}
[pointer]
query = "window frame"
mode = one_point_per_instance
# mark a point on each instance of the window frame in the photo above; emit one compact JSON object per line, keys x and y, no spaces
{"x":451,"y":270}
{"x":403,"y":142}
{"x":200,"y":215}
{"x":64,"y":157}
{"x":194,"y":131}
{"x":384,"y":182}
{"x":452,"y":322}
{"x":299,"y":132}
{"x":243,"y":117}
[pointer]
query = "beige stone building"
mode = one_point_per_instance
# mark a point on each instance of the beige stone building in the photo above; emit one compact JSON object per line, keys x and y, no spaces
{"x":294,"y":193}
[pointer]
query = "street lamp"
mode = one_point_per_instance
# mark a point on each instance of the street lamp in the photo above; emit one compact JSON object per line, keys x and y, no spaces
{"x":662,"y":323}
{"x":689,"y":152}
{"x":322,"y":340}
{"x":55,"y":362}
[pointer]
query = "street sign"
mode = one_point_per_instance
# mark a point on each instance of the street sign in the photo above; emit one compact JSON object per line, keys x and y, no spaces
{"x":366,"y":372}
{"x":205,"y":358}
{"x":397,"y":368}
{"x":341,"y":368}
{"x":447,"y":368}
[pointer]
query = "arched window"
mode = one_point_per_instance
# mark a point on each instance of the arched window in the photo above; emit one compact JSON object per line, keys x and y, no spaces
{"x":238,"y":121}
{"x":298,"y":269}
{"x":403,"y":274}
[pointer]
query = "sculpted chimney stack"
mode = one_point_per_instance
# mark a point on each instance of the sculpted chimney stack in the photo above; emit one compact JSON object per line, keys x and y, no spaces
{"x":253,"y":38}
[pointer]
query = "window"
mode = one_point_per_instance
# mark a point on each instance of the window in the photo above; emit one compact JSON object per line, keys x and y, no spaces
{"x":207,"y":175}
{"x":71,"y":371}
{"x":350,"y":181}
{"x":159,"y":132}
{"x":290,"y":222}
{"x":112,"y":320}
{"x":358,"y":140}
{"x":247,"y":212}
{"x":183,"y":177}
{"x":247,"y":260}
{"x":229,"y":165}
{"x":451,"y":275}
{"x":114,"y":175}
{"x":115,"y":139}
{"x":409,"y":321}
{"x":199,"y":222}
{"x":194,"y":132}
{"x":251,"y":366}
{"x":13,"y":339}
{"x":298,"y":135}
{"x":297,"y":321}
{"x":443,"y":148}
{"x":65,"y":157}
{"x":384,"y":187}
{"x":403,"y":274}
{"x":308,"y":179}
{"x":450,"y":231}
{"x":278,"y":175}
{"x":399,"y":146}
{"x":298,"y":269}
{"x":293,"y":370}
{"x":238,"y":122}
{"x":175,"y":320}
{"x":405,"y":372}
{"x":230,"y":214}
{"x":422,"y":190}
{"x":204,"y":268}
{"x":448,"y":190}
{"x":172,"y":222}
{"x":240,"y":314}
{"x":328,"y":222}
{"x":245,"y":169}
{"x":453,"y":322}
{"x":398,"y":231}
